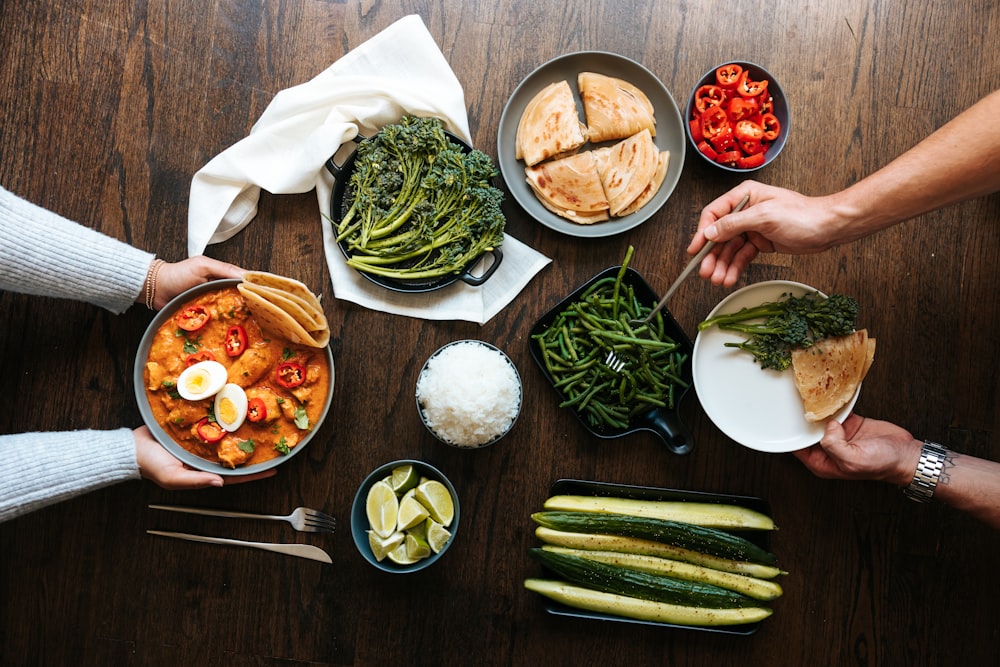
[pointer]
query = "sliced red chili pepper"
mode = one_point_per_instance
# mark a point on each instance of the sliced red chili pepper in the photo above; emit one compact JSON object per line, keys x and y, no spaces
{"x":204,"y":355}
{"x":713,"y":122}
{"x":724,"y":141}
{"x":739,"y":108}
{"x":707,"y":150}
{"x":751,"y":161}
{"x":695,"y":127}
{"x":747,"y":87}
{"x":209,"y":431}
{"x":752,"y":146}
{"x":728,"y":76}
{"x":236,"y":340}
{"x":766,"y":104}
{"x":256,"y":410}
{"x":747,"y":130}
{"x":192,"y":318}
{"x":290,"y":374}
{"x":770,"y":126}
{"x":730,"y":158}
{"x":707,"y":97}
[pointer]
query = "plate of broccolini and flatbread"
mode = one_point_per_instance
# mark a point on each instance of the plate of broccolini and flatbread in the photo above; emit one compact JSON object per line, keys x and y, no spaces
{"x":769,"y":395}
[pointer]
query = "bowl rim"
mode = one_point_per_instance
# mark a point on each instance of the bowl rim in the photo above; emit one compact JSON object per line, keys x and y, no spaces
{"x":520,"y":393}
{"x":164,"y":438}
{"x":359,"y":518}
{"x":784,"y":116}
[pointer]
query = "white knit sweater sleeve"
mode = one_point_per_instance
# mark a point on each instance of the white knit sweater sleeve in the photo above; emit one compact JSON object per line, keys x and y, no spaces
{"x":45,"y":254}
{"x":42,"y":469}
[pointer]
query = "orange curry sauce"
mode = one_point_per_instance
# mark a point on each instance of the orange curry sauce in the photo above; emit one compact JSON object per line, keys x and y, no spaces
{"x":253,"y":370}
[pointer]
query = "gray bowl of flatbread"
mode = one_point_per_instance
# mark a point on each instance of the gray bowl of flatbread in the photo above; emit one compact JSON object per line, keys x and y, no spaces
{"x":591,"y":144}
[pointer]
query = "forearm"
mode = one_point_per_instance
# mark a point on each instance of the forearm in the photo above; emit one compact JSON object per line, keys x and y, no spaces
{"x":45,"y":254}
{"x":972,"y":485}
{"x":959,"y":161}
{"x":41,"y":469}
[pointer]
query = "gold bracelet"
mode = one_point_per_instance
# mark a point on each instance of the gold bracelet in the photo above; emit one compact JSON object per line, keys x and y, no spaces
{"x":150,"y":290}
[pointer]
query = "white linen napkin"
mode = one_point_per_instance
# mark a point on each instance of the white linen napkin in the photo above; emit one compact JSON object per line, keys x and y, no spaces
{"x":399,"y":71}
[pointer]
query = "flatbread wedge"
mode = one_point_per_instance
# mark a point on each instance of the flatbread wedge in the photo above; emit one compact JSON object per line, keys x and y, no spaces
{"x":615,"y":108}
{"x":828,"y":374}
{"x":627,"y":170}
{"x":570,"y":187}
{"x":662,"y":163}
{"x":550,"y":126}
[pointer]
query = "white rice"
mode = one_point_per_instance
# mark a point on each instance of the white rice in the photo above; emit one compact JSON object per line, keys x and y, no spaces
{"x":469,"y":394}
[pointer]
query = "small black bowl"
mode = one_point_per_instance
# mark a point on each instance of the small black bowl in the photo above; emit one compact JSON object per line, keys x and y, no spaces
{"x":665,"y":423}
{"x":338,"y":207}
{"x":781,"y":111}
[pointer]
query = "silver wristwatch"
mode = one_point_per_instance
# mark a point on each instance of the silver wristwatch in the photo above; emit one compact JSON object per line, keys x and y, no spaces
{"x":925,"y":479}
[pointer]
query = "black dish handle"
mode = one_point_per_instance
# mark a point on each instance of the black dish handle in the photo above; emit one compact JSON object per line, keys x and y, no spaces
{"x":475,"y":281}
{"x":668,"y":426}
{"x":337,"y":169}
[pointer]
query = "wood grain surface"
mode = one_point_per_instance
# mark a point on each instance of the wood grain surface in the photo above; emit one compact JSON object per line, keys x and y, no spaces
{"x":108,"y":109}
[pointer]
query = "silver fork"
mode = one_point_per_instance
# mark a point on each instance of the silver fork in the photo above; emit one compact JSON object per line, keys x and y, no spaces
{"x":302,"y":518}
{"x":614,"y":362}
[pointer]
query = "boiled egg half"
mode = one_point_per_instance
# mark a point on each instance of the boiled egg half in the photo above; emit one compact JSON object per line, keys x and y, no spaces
{"x":202,"y":380}
{"x":231,"y":407}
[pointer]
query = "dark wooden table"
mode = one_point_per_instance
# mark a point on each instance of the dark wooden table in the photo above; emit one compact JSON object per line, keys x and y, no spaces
{"x":108,"y":109}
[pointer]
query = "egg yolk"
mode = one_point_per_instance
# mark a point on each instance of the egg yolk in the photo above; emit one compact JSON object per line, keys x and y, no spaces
{"x":227,"y":411}
{"x":196,"y":383}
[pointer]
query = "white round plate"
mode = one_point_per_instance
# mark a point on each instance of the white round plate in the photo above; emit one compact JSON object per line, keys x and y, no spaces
{"x":670,"y":136}
{"x":760,"y":409}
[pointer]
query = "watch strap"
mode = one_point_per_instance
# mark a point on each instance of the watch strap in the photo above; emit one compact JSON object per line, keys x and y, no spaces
{"x":928,"y":472}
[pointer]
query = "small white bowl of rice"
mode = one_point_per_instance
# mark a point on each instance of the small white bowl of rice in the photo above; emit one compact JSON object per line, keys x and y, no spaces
{"x":469,"y":394}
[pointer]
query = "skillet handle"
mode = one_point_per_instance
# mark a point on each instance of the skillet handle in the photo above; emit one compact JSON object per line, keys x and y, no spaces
{"x":672,"y":431}
{"x":475,"y":281}
{"x":331,"y":164}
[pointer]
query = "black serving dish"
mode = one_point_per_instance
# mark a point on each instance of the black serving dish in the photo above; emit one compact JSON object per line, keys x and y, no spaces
{"x":576,"y":487}
{"x":338,"y":207}
{"x":663,"y":422}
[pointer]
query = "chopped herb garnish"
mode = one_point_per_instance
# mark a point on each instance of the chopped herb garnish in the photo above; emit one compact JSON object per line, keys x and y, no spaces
{"x":282,"y":446}
{"x":247,"y":446}
{"x":301,"y":418}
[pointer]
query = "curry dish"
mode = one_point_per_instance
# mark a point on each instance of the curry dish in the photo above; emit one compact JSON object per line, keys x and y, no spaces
{"x":285,"y":384}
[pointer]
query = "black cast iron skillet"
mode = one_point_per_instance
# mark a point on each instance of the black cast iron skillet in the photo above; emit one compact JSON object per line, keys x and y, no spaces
{"x":338,"y":207}
{"x":663,"y":422}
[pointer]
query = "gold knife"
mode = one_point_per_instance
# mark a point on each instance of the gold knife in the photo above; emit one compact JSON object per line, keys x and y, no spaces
{"x":301,"y":550}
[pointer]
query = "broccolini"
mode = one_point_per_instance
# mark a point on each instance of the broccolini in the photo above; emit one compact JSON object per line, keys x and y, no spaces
{"x":774,"y":328}
{"x":418,"y":206}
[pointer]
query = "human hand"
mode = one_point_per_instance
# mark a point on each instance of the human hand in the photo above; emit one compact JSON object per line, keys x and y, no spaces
{"x":863,"y":448}
{"x":160,"y":466}
{"x":174,"y":278}
{"x":774,"y":220}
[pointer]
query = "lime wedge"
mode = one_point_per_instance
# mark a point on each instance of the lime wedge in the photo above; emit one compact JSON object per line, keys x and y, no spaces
{"x":381,"y":546}
{"x":404,"y":478}
{"x":400,"y":557}
{"x":416,"y":548}
{"x":411,"y":513}
{"x":437,"y":535}
{"x":382,"y":508}
{"x":435,"y":497}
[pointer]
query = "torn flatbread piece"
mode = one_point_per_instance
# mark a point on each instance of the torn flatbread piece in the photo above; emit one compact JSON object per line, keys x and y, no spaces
{"x":570,"y":187}
{"x":627,"y":169}
{"x":828,"y":373}
{"x":614,"y":108}
{"x":550,"y":126}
